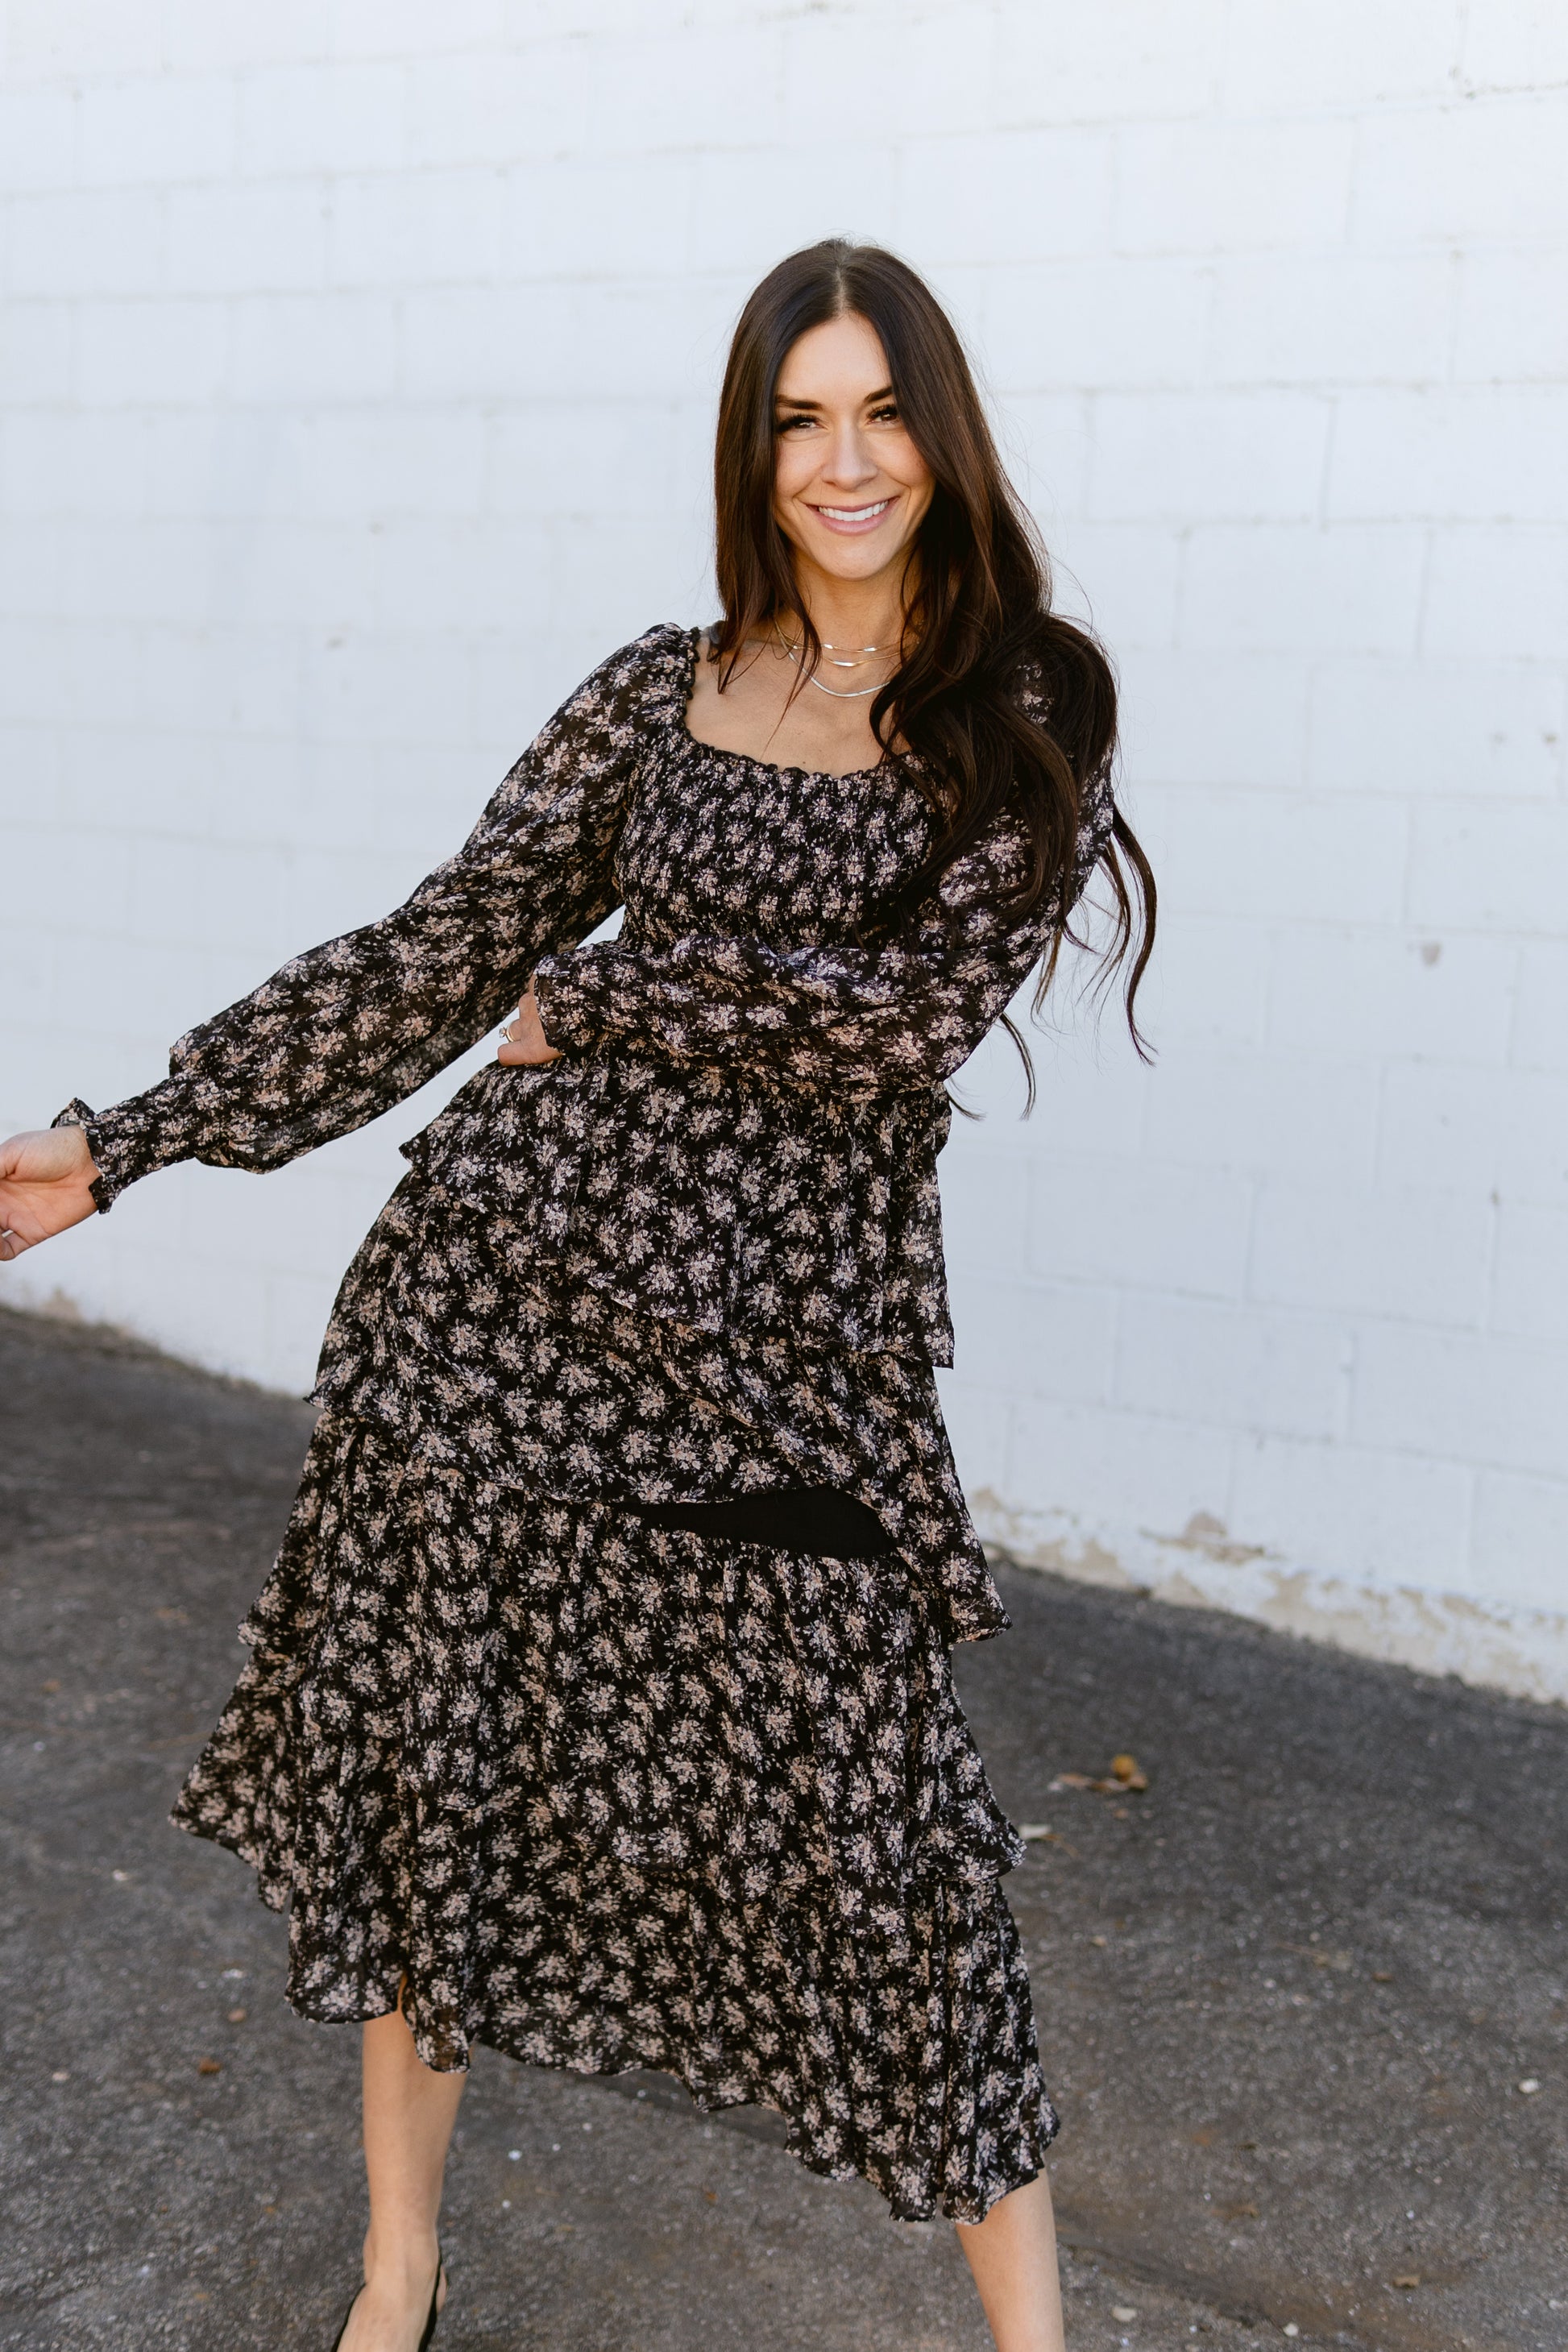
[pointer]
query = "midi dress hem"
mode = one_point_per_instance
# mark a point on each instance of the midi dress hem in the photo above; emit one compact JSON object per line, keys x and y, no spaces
{"x":1014,"y":2166}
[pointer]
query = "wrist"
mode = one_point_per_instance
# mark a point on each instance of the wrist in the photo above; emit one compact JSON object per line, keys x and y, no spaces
{"x":79,"y":1120}
{"x":569,"y":1011}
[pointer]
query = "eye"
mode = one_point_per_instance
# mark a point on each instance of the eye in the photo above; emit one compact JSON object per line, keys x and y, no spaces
{"x":788,"y":424}
{"x":887,"y":414}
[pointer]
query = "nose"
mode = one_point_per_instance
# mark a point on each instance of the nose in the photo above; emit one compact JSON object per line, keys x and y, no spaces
{"x":849,"y":461}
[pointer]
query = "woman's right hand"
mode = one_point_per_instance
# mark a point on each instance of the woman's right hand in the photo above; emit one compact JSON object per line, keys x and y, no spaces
{"x":45,"y":1184}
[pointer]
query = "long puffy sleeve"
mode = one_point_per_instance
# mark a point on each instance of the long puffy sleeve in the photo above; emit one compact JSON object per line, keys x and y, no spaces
{"x":343,"y":1032}
{"x":902,"y":1015}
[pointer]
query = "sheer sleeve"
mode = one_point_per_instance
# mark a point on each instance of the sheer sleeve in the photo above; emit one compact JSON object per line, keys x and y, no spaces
{"x":898,"y":1016}
{"x":343,"y":1032}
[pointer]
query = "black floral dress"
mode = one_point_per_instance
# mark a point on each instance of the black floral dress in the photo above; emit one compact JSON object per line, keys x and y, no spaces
{"x":600,"y":1791}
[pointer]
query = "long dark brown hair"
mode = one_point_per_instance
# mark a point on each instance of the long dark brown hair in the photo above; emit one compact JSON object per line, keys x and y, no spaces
{"x":977,"y":594}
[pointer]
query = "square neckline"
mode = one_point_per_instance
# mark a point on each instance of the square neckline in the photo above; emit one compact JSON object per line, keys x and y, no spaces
{"x":693,"y":640}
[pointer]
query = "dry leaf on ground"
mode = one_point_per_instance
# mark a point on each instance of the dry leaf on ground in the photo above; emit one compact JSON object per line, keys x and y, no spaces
{"x":1125,"y":1778}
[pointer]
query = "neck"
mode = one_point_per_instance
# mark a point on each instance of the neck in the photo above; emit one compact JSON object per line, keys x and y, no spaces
{"x":850,"y":612}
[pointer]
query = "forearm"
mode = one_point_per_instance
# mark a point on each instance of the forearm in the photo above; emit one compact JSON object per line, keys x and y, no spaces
{"x":904,"y":1013}
{"x":813,"y":1017}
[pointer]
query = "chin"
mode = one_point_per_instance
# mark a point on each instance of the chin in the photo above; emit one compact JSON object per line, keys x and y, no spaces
{"x":856,"y":559}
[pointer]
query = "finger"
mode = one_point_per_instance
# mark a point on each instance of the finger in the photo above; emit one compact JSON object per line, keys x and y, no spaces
{"x":527,"y":1057}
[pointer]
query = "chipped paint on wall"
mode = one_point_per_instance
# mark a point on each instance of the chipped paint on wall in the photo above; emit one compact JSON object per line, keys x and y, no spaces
{"x":1522,"y":1651}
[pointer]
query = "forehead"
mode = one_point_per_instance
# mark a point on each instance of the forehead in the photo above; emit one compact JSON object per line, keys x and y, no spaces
{"x":841,"y":360}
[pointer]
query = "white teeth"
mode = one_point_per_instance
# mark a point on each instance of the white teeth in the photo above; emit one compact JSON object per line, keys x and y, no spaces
{"x":855,"y":514}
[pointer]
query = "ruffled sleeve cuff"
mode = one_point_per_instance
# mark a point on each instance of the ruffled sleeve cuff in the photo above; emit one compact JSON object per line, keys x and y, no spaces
{"x":573,"y":994}
{"x":135,"y":1137}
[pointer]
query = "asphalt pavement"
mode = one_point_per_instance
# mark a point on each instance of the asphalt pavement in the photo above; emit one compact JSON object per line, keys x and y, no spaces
{"x":1303,"y":2002}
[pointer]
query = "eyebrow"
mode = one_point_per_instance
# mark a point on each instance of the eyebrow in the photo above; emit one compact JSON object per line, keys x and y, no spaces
{"x":783,"y":400}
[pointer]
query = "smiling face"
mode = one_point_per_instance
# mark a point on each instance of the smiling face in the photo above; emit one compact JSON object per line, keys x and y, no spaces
{"x":850,"y":489}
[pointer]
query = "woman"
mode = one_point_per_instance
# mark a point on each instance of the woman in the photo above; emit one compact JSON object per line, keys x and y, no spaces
{"x":600,"y":1705}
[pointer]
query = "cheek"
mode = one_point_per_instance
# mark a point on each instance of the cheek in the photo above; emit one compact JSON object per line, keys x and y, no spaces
{"x":794,"y":467}
{"x":921,"y":488}
{"x":906,"y":465}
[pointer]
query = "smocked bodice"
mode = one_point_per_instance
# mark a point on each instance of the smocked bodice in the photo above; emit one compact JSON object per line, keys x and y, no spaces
{"x":743,"y":1129}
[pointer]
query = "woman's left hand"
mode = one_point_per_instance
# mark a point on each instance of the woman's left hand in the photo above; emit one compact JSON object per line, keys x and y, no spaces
{"x":523,"y":1038}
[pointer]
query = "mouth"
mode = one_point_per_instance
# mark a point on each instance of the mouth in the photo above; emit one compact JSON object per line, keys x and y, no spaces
{"x":851,"y":519}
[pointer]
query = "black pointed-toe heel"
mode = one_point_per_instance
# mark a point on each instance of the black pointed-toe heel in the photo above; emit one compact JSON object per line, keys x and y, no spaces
{"x":435,"y":2311}
{"x":431,"y":2317}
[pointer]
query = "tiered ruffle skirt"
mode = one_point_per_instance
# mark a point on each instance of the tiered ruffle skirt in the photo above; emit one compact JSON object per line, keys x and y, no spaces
{"x":604,"y":1796}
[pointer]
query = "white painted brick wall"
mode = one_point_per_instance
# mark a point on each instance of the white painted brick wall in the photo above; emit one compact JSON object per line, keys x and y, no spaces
{"x":355,"y":396}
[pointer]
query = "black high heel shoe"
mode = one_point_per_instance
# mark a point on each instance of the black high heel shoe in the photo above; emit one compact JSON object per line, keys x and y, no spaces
{"x":433,"y":2315}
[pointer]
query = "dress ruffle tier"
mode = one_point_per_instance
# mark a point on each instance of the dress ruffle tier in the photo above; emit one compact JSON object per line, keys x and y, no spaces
{"x":448,"y":1331}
